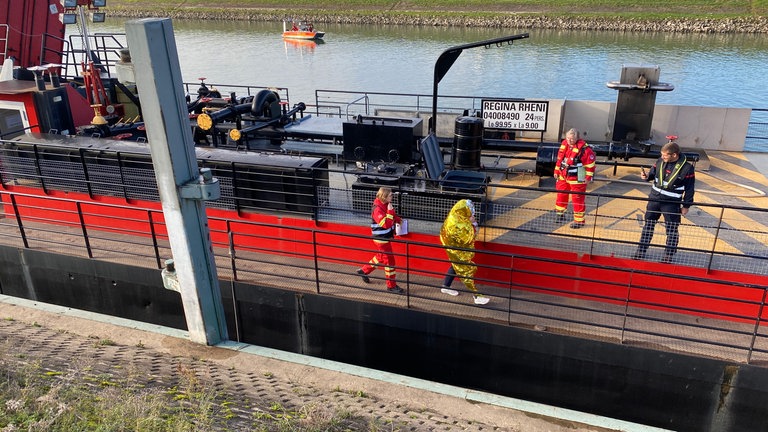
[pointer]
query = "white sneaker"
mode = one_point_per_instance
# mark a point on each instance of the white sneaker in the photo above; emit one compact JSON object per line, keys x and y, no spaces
{"x":481,"y":299}
{"x":449,"y":291}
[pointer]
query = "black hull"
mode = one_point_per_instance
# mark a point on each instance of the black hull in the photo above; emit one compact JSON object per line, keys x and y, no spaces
{"x":662,"y":389}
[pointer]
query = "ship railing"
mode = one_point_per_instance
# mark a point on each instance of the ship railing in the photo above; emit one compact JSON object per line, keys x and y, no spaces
{"x":4,"y":32}
{"x":712,"y":237}
{"x":349,"y":106}
{"x":17,"y":132}
{"x":325,"y":110}
{"x":239,"y":90}
{"x":384,"y":104}
{"x":57,"y":48}
{"x":104,"y":52}
{"x":106,"y":48}
{"x":757,"y":131}
{"x":596,"y":298}
{"x":420,"y":105}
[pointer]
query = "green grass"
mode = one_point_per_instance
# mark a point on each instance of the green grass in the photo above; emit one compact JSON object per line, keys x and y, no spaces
{"x":620,"y":8}
{"x":37,"y":399}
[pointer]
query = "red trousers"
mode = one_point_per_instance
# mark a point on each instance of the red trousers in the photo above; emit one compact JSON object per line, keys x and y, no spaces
{"x":386,"y":258}
{"x":561,"y":204}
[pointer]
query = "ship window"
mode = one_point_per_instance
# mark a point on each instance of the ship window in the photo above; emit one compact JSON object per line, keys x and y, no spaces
{"x":13,"y":119}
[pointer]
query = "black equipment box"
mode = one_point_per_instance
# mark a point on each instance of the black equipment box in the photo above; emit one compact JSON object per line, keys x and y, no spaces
{"x":381,"y":139}
{"x":267,"y":181}
{"x":53,"y":111}
{"x":250,"y":181}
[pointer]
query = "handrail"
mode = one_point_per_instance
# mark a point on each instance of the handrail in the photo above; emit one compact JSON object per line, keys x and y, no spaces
{"x":701,"y":241}
{"x":638,"y":298}
{"x":757,"y":131}
{"x":4,"y":32}
{"x":249,"y":90}
{"x":354,"y":102}
{"x":326,"y":97}
{"x":12,"y":133}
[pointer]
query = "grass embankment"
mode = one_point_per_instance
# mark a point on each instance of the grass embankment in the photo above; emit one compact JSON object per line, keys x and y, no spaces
{"x":622,"y":9}
{"x":39,"y":393}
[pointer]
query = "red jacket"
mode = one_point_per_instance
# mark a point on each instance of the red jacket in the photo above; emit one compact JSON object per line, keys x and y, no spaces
{"x":383,"y":220}
{"x":571,"y":157}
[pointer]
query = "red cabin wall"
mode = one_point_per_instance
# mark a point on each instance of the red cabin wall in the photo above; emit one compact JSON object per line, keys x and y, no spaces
{"x":29,"y":21}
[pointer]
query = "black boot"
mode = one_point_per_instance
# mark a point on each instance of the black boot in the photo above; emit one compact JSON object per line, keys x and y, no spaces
{"x":365,"y":277}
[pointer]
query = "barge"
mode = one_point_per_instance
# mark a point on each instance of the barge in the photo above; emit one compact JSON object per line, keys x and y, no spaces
{"x":573,"y":320}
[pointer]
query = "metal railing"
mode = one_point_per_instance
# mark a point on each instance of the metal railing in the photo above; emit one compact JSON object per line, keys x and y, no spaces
{"x":712,"y":236}
{"x":613,"y":302}
{"x":382,"y":101}
{"x":4,"y":30}
{"x":413,"y":103}
{"x":238,"y":90}
{"x":106,"y":48}
{"x":757,"y":132}
{"x":105,"y":53}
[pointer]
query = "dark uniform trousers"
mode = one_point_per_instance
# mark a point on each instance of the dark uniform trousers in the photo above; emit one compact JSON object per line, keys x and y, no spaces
{"x":657,"y":206}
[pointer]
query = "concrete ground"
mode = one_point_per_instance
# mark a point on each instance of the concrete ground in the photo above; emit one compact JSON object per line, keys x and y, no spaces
{"x":252,"y":378}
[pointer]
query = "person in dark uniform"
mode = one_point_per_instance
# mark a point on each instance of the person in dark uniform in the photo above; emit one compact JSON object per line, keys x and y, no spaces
{"x":671,"y":195}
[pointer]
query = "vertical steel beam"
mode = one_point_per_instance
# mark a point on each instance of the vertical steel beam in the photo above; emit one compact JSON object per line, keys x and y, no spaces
{"x":158,"y":78}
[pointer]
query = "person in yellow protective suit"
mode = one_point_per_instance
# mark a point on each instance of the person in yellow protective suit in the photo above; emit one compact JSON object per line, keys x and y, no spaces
{"x":459,"y":230}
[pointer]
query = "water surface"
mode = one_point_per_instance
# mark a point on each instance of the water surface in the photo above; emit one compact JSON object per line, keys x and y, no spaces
{"x":724,"y":70}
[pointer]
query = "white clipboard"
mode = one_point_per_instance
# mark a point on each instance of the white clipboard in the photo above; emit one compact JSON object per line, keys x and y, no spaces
{"x":401,"y":229}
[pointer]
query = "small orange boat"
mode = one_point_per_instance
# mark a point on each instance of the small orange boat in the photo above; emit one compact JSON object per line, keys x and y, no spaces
{"x":301,"y":30}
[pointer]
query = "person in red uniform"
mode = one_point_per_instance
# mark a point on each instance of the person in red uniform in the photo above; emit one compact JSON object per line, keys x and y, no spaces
{"x":575,"y":168}
{"x":383,"y":220}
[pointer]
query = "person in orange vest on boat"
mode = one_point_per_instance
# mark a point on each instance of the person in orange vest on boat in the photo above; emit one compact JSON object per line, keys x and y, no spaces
{"x":575,"y":167}
{"x":671,"y":195}
{"x":383,"y":220}
{"x":459,"y":230}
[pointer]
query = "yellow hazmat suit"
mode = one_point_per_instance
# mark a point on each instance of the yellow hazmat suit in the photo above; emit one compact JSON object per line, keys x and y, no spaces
{"x":459,"y":230}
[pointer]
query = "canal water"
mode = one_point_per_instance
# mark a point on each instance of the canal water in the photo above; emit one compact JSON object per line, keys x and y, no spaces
{"x":721,"y":70}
